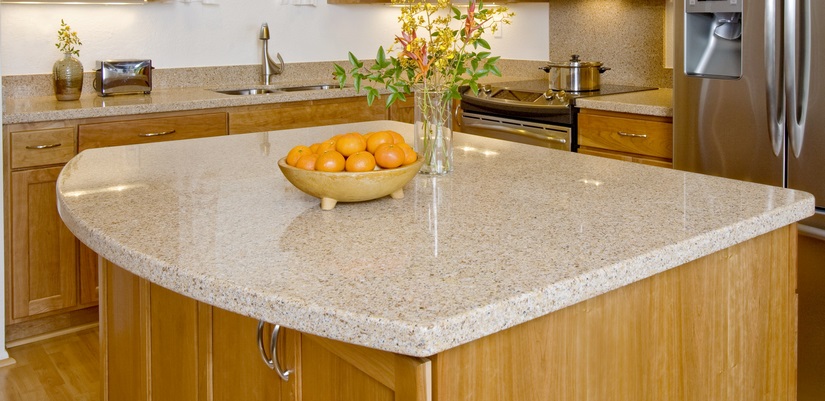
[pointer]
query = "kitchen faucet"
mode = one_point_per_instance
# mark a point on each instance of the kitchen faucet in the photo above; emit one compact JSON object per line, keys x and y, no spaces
{"x":269,"y":67}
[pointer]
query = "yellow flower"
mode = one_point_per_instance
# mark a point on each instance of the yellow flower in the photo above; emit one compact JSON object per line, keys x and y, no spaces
{"x":67,"y":39}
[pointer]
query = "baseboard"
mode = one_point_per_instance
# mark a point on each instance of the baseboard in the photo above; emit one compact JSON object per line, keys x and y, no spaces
{"x":46,"y":336}
{"x":58,"y":323}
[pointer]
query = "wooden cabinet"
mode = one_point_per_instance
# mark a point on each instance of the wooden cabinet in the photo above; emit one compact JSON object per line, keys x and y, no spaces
{"x":145,"y":130}
{"x":160,"y":345}
{"x":30,"y":148}
{"x":726,"y":320}
{"x":52,"y":278}
{"x":303,"y":114}
{"x":43,"y":249}
{"x":630,"y":137}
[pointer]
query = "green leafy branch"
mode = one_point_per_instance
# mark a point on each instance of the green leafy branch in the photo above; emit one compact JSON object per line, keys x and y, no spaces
{"x":443,"y":59}
{"x":67,"y":39}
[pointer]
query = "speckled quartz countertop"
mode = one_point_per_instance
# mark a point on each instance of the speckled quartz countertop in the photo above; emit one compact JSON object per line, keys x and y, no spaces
{"x":513,"y":233}
{"x":46,"y":108}
{"x":653,"y":102}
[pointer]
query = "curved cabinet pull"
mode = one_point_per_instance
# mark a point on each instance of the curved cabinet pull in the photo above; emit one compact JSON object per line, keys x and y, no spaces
{"x":36,"y":147}
{"x":272,"y":362}
{"x":151,"y":134}
{"x":629,"y":135}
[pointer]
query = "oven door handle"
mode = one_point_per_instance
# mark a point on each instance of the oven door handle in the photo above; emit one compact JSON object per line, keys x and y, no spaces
{"x":516,"y":131}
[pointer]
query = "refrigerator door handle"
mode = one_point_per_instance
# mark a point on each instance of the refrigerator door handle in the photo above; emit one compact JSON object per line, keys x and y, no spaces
{"x":798,"y":70}
{"x":773,"y":69}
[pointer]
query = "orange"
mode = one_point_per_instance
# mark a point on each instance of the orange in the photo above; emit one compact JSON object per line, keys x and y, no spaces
{"x":389,"y":156}
{"x":314,"y":147}
{"x":396,"y":137}
{"x":350,"y":143}
{"x":330,"y":160}
{"x":295,"y":153}
{"x":409,"y":153}
{"x":376,"y":139}
{"x":307,"y":162}
{"x":329,"y":144}
{"x":360,"y":161}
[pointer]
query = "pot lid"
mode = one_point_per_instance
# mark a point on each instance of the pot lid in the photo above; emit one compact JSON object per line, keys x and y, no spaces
{"x":575,"y":63}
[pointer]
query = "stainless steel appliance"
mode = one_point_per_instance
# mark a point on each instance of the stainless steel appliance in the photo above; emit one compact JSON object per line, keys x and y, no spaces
{"x":749,"y":104}
{"x":761,"y":119}
{"x":527,"y":112}
{"x":117,"y":77}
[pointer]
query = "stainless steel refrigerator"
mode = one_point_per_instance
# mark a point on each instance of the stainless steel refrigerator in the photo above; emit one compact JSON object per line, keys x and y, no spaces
{"x":749,"y":104}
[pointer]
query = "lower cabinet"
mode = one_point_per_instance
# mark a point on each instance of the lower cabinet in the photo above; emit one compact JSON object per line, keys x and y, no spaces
{"x":160,"y":345}
{"x":722,"y":327}
{"x":629,"y":137}
{"x":43,"y":267}
{"x":51,"y":277}
{"x":313,"y":113}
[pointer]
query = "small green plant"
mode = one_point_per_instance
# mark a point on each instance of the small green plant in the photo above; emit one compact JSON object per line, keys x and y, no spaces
{"x":430,"y":54}
{"x":67,"y":39}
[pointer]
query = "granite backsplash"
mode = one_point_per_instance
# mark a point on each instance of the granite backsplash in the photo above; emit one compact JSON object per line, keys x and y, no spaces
{"x":626,"y":35}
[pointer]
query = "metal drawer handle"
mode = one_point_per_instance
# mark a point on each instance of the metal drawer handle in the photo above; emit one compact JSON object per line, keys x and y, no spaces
{"x":632,"y":135}
{"x":272,"y":362}
{"x":149,"y":134}
{"x":54,"y":145}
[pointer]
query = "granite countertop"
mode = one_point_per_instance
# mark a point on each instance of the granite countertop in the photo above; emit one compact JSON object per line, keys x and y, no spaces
{"x":46,"y":108}
{"x":513,"y":233}
{"x":653,"y":103}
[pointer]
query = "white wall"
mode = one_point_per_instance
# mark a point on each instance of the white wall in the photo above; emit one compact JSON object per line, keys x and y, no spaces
{"x":195,"y":34}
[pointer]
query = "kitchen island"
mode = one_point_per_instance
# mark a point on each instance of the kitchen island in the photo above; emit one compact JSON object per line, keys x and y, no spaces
{"x":526,"y":273}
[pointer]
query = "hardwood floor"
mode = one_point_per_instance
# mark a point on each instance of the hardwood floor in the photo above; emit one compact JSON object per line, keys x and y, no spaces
{"x":61,"y":368}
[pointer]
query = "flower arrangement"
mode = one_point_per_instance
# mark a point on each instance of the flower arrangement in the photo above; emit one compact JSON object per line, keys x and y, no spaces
{"x":67,"y":39}
{"x":430,"y":54}
{"x":433,"y":60}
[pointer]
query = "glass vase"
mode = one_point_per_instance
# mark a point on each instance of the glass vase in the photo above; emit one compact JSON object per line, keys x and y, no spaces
{"x":433,"y":131}
{"x":68,"y":78}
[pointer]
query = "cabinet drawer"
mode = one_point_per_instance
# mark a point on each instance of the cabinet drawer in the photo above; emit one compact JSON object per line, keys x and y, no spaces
{"x":42,"y":147}
{"x":626,"y":134}
{"x":150,"y":130}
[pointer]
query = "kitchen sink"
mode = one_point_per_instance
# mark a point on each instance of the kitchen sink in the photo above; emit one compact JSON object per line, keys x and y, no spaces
{"x":247,"y":91}
{"x":308,"y":88}
{"x":264,"y":91}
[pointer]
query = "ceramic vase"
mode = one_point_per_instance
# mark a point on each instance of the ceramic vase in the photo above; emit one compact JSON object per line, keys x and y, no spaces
{"x":433,"y":131}
{"x":68,"y":78}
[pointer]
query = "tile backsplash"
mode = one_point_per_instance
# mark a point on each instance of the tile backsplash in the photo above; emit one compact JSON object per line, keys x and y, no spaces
{"x":626,"y":35}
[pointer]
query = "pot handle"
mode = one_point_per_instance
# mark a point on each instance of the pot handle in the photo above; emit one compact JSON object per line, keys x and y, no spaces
{"x":603,"y":69}
{"x":545,"y":68}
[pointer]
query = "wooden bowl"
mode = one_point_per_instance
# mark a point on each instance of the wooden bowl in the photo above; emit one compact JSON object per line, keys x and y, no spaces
{"x":350,"y":187}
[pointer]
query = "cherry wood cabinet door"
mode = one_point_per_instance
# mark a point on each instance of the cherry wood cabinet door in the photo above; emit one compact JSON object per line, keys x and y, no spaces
{"x":43,"y":274}
{"x":238,"y":371}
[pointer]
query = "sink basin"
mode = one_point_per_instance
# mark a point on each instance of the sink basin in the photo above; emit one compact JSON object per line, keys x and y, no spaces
{"x":247,"y":91}
{"x":308,"y":88}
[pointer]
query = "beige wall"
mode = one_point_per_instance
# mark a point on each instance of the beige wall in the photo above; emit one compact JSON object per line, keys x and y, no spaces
{"x":625,"y":35}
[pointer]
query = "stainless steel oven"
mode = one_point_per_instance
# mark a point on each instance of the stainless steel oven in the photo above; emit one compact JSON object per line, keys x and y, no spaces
{"x":527,"y":112}
{"x":531,"y":133}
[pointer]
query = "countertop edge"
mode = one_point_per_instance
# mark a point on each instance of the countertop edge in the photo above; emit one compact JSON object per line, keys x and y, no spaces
{"x":420,"y":338}
{"x":657,"y":102}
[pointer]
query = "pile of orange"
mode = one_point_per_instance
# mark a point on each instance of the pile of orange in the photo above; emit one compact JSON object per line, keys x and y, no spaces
{"x":354,"y":151}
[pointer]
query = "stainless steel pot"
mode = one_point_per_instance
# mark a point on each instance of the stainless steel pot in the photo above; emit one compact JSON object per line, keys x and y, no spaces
{"x":575,"y":75}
